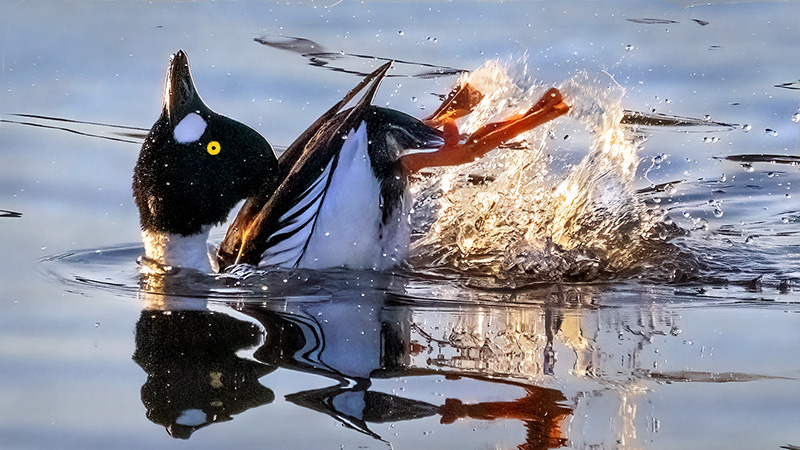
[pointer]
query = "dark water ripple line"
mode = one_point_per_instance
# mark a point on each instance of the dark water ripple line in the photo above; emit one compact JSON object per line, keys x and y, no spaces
{"x":663,"y":120}
{"x":11,"y":214}
{"x":792,"y":85}
{"x":649,"y":21}
{"x":319,"y":57}
{"x":74,"y":131}
{"x":61,"y":119}
{"x":761,"y":158}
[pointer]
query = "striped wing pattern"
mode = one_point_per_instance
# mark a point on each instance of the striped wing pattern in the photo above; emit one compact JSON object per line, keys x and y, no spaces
{"x":354,"y":193}
{"x":287,"y":244}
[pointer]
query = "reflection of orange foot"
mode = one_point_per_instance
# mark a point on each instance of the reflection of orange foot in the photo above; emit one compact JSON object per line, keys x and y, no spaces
{"x":486,"y":138}
{"x":540,"y":410}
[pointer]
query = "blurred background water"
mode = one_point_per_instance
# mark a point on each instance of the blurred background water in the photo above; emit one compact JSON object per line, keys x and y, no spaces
{"x":94,"y":357}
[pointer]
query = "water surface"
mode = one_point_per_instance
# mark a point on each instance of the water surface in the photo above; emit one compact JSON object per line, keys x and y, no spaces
{"x":658,"y":308}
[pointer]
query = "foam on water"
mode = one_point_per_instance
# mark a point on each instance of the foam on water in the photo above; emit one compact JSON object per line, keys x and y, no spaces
{"x":542,"y":217}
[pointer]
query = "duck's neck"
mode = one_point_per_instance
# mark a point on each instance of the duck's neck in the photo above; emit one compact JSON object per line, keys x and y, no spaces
{"x":175,"y":250}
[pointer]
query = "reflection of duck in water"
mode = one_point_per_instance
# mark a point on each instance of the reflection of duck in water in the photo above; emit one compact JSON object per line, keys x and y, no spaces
{"x":540,"y":409}
{"x":196,"y":375}
{"x":336,"y":197}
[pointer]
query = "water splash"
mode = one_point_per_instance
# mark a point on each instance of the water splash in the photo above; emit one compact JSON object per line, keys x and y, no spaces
{"x":542,"y":218}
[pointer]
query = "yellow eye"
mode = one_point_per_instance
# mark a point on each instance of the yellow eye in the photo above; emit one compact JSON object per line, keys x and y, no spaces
{"x":213,"y":148}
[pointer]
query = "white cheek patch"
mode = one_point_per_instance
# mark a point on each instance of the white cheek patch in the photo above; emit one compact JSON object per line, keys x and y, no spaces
{"x":190,"y":128}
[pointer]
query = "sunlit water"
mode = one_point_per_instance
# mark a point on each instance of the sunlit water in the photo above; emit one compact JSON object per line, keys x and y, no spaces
{"x":598,"y":284}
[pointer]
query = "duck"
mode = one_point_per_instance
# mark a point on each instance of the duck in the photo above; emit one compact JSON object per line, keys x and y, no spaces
{"x":337,"y":197}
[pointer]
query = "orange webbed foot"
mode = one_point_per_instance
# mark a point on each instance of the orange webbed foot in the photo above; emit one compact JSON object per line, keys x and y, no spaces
{"x":486,"y":138}
{"x":461,"y":101}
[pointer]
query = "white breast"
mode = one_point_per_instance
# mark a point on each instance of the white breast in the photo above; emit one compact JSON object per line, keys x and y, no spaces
{"x":174,"y":250}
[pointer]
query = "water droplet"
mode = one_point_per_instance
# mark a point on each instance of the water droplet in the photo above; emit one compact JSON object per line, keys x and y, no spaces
{"x":788,"y":195}
{"x":96,"y":324}
{"x":413,"y":99}
{"x":707,"y":118}
{"x":748,"y":168}
{"x":770,"y":132}
{"x":746,"y":127}
{"x":655,"y":425}
{"x":628,"y":47}
{"x":718,"y":213}
{"x":401,"y":33}
{"x":796,"y":117}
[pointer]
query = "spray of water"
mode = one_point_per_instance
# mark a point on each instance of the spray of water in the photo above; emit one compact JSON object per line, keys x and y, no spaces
{"x":538,"y":216}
